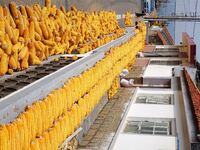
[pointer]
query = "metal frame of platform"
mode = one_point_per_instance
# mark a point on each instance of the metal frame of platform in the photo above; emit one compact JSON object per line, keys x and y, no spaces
{"x":13,"y":104}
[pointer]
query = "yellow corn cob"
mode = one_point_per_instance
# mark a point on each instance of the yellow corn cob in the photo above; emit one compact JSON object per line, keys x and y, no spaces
{"x":72,"y":48}
{"x":47,"y":54}
{"x":59,"y":50}
{"x":4,"y":138}
{"x":24,"y":62}
{"x":34,"y":145}
{"x":3,"y":64}
{"x":15,"y":50}
{"x":26,"y":36}
{"x":5,"y":47}
{"x":31,"y":48}
{"x":47,"y":140}
{"x":19,"y":125}
{"x":44,"y":30}
{"x":6,"y":12}
{"x":48,"y":3}
{"x":13,"y":9}
{"x":1,"y":52}
{"x":37,"y":10}
{"x":41,"y":141}
{"x":40,"y":55}
{"x":16,"y":33}
{"x":58,"y":39}
{"x":25,"y":128}
{"x":2,"y":26}
{"x":25,"y":21}
{"x":36,"y":15}
{"x":41,"y":45}
{"x":1,"y":12}
{"x":29,"y":11}
{"x":23,"y":52}
{"x":49,"y":32}
{"x":52,"y":138}
{"x":23,"y":11}
{"x":37,"y":27}
{"x":20,"y":24}
{"x":13,"y":136}
{"x":12,"y":22}
{"x":8,"y":29}
{"x":48,"y":42}
{"x":12,"y":63}
{"x":31,"y":122}
{"x":32,"y":31}
{"x":10,"y":71}
{"x":37,"y":36}
{"x":34,"y":60}
{"x":38,"y":112}
{"x":21,"y":40}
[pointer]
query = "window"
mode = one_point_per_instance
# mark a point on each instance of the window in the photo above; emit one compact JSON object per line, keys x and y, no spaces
{"x":161,"y":62}
{"x":148,"y":127}
{"x":155,"y":99}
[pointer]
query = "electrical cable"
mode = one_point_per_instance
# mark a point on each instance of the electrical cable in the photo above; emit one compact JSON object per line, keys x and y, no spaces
{"x":195,"y":16}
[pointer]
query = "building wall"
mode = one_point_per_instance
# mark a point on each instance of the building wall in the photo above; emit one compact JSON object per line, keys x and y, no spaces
{"x":120,"y":6}
{"x":182,"y":7}
{"x":188,"y":7}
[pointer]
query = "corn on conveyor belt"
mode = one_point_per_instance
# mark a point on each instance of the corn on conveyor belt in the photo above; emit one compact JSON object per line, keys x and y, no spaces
{"x":23,"y":88}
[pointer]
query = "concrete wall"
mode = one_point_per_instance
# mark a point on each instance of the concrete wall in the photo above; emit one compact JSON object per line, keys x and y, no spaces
{"x":120,"y":6}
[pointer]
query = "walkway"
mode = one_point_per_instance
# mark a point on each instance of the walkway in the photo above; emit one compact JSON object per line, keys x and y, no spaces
{"x":105,"y":126}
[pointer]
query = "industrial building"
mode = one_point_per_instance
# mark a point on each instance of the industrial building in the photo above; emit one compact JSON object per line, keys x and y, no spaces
{"x":103,"y":74}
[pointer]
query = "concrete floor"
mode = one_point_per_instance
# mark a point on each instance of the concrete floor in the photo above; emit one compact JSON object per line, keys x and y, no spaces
{"x":101,"y":133}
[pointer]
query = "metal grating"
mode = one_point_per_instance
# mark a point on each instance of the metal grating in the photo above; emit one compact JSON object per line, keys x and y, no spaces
{"x":148,"y":127}
{"x":155,"y":99}
{"x":167,"y":62}
{"x":13,"y":84}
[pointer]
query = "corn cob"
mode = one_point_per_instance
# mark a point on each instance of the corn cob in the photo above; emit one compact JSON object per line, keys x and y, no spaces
{"x":32,"y":31}
{"x":23,"y":52}
{"x":24,"y":62}
{"x":4,"y":138}
{"x":23,"y":11}
{"x":3,"y":64}
{"x":29,"y":11}
{"x":44,"y":30}
{"x":13,"y":9}
{"x":12,"y":63}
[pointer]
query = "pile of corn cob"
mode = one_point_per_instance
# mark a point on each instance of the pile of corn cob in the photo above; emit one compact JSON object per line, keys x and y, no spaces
{"x":48,"y":122}
{"x":30,"y":34}
{"x":128,"y":20}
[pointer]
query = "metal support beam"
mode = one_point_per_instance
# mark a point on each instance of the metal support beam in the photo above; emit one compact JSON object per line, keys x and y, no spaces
{"x":173,"y":18}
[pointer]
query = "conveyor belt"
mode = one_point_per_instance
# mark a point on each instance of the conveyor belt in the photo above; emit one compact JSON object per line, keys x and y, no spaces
{"x":17,"y":82}
{"x":46,"y":81}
